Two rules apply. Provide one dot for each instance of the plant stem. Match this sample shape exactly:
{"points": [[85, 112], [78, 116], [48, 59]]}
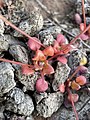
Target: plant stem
{"points": [[19, 30], [83, 12], [74, 40], [73, 106], [14, 62]]}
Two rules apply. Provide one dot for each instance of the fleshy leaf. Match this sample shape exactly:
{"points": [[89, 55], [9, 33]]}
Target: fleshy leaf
{"points": [[83, 61], [39, 56], [62, 88], [81, 80], [82, 27], [27, 70], [75, 86], [49, 51], [62, 59], [48, 69], [33, 45], [61, 39], [41, 85], [83, 69], [56, 46], [75, 97], [84, 37], [78, 18]]}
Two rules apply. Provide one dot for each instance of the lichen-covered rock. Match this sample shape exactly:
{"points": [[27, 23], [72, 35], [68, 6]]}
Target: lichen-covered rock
{"points": [[19, 103], [54, 31], [3, 44], [1, 27], [19, 53], [32, 25], [27, 80], [50, 104], [60, 76], [15, 10], [1, 112], [6, 78], [79, 8], [39, 96]]}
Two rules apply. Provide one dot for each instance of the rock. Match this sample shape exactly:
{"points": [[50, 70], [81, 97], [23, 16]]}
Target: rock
{"points": [[78, 7], [29, 118], [19, 53], [1, 112], [19, 103], [28, 80], [32, 25], [50, 104], [15, 11], [61, 75], [3, 44], [54, 31], [1, 27], [39, 96], [6, 78]]}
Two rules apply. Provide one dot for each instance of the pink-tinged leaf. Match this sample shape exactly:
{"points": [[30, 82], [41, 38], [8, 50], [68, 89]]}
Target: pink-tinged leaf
{"points": [[75, 86], [62, 88], [61, 39], [78, 18], [48, 69], [41, 85], [62, 59], [83, 69], [81, 80], [56, 46], [75, 97], [49, 51], [27, 70], [33, 45], [84, 37], [82, 27], [39, 56]]}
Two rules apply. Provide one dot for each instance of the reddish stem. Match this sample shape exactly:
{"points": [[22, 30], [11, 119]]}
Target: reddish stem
{"points": [[72, 102], [74, 40], [19, 30], [14, 62], [83, 12]]}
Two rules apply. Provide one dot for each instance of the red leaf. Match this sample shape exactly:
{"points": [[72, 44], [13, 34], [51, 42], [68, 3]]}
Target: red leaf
{"points": [[61, 39], [41, 85], [84, 36], [62, 59], [39, 56], [83, 69], [49, 51], [48, 69], [27, 70], [75, 97], [81, 80], [75, 86], [62, 88], [82, 27], [33, 45]]}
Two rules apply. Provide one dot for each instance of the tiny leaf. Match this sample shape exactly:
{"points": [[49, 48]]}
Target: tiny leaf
{"points": [[81, 80], [33, 45], [62, 88], [62, 59], [41, 85], [75, 97], [75, 86], [49, 51], [27, 70]]}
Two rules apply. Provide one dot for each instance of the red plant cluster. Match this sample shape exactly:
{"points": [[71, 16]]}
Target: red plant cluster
{"points": [[58, 51]]}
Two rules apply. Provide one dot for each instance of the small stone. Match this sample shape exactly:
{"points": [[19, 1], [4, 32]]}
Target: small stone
{"points": [[27, 80], [19, 103], [61, 75], [6, 78], [3, 44], [1, 27], [29, 118], [32, 25], [19, 53], [40, 96], [50, 104]]}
